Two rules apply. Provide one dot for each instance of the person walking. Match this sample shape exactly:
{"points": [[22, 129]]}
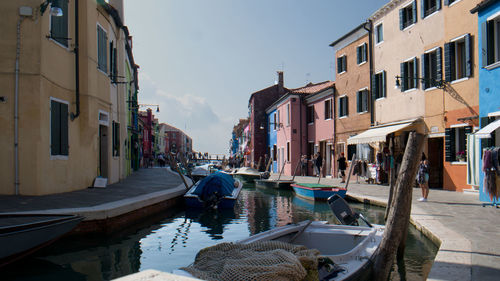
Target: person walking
{"points": [[342, 166], [423, 178], [318, 163], [303, 165]]}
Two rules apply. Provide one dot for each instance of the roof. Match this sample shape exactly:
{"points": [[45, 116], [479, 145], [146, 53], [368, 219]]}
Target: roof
{"points": [[359, 27], [483, 4], [313, 88]]}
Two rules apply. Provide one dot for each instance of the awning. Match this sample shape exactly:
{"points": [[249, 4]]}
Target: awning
{"points": [[485, 132], [377, 134]]}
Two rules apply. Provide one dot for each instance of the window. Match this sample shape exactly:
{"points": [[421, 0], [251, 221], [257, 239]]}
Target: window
{"points": [[310, 114], [379, 85], [328, 109], [409, 75], [343, 105], [288, 151], [362, 101], [58, 128], [455, 143], [458, 59], [279, 120], [490, 33], [342, 64], [431, 68], [275, 121], [275, 151], [408, 15], [429, 7], [59, 25], [361, 53], [379, 33], [288, 114], [102, 49], [116, 138]]}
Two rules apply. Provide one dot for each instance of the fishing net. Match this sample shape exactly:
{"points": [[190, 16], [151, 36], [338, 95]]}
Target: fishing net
{"points": [[267, 260]]}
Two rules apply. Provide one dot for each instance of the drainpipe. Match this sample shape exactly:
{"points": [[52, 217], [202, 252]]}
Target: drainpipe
{"points": [[370, 50], [73, 116], [16, 108]]}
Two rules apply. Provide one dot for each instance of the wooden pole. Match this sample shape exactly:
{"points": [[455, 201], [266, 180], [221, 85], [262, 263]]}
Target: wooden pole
{"points": [[184, 162], [392, 180], [173, 164], [399, 215], [282, 168], [269, 163], [260, 162], [350, 170], [295, 171]]}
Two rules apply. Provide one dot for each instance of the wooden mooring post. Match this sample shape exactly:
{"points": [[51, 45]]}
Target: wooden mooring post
{"points": [[173, 164], [400, 209]]}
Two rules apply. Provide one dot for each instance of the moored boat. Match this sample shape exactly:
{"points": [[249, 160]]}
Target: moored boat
{"points": [[247, 174], [270, 183], [23, 234], [218, 190], [315, 191]]}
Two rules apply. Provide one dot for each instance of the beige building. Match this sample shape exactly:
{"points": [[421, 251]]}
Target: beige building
{"points": [[65, 115], [426, 48]]}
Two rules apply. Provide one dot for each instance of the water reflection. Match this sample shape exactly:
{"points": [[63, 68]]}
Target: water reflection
{"points": [[172, 240]]}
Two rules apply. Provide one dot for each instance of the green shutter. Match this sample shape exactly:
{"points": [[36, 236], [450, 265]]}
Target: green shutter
{"points": [[358, 101], [374, 87], [55, 128], [64, 129], [468, 56], [384, 85], [59, 25], [346, 106], [403, 77], [448, 61], [401, 19], [425, 61], [365, 100], [339, 65], [344, 63], [439, 62], [111, 64], [415, 72], [449, 144], [484, 43], [365, 52]]}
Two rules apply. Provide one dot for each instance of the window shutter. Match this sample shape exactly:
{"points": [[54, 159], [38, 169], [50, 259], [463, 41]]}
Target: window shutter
{"points": [[340, 107], [439, 59], [414, 10], [468, 130], [447, 61], [346, 106], [422, 8], [358, 54], [424, 68], [360, 101], [401, 19], [403, 77], [339, 65], [438, 5], [365, 52], [484, 43], [64, 128], [415, 71], [59, 25], [55, 128], [111, 70], [374, 87], [105, 52], [468, 56], [344, 63], [449, 144], [384, 86], [365, 100]]}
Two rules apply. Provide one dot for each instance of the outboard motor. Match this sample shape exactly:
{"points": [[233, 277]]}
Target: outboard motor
{"points": [[343, 211]]}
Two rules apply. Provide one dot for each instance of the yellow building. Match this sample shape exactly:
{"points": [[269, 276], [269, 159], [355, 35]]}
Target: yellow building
{"points": [[64, 115]]}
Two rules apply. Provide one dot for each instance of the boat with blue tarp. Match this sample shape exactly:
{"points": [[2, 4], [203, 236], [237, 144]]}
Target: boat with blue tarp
{"points": [[218, 190]]}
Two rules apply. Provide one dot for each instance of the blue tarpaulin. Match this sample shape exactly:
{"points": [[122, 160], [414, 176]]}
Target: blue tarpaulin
{"points": [[221, 183]]}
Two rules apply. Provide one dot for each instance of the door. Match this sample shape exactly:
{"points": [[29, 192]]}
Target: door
{"points": [[436, 152], [103, 151]]}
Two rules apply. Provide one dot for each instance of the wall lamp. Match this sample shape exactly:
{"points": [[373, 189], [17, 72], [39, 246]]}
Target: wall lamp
{"points": [[440, 84], [280, 125], [55, 10]]}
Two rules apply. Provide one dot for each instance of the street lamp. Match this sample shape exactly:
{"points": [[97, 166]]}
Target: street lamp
{"points": [[440, 84], [55, 10]]}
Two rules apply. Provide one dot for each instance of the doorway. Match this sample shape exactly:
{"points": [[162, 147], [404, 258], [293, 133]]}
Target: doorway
{"points": [[103, 151], [435, 156]]}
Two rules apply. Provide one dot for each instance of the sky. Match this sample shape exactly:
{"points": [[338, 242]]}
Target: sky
{"points": [[200, 60]]}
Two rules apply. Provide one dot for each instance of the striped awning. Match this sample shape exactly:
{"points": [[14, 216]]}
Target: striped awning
{"points": [[377, 134], [485, 132]]}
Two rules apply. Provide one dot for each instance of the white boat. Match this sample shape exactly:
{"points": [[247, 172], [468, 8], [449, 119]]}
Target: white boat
{"points": [[200, 172], [246, 174]]}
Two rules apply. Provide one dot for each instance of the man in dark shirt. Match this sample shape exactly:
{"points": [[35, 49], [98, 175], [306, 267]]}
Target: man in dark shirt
{"points": [[342, 166]]}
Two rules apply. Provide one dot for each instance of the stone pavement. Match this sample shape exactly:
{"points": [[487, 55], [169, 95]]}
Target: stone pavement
{"points": [[467, 232]]}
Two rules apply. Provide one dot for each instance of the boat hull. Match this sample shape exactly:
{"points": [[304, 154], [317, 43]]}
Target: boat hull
{"points": [[317, 192], [226, 202], [21, 235], [281, 184]]}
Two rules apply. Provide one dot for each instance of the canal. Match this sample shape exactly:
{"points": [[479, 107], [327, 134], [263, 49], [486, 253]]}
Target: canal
{"points": [[169, 241]]}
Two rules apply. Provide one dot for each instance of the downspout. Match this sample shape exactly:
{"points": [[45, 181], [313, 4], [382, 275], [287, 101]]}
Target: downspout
{"points": [[16, 108], [73, 116], [370, 50], [334, 104]]}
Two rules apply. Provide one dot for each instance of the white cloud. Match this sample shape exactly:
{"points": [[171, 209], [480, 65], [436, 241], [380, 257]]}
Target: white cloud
{"points": [[210, 130]]}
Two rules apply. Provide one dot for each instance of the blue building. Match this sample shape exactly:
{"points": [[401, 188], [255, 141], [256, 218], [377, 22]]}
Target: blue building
{"points": [[489, 87], [272, 137]]}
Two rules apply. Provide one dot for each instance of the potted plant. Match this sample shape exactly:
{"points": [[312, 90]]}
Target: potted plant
{"points": [[461, 156]]}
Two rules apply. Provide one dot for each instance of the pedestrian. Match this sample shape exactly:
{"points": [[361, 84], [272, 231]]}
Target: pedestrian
{"points": [[342, 166], [318, 163], [423, 178], [303, 165]]}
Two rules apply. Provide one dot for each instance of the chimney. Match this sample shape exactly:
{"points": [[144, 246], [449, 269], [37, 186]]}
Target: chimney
{"points": [[280, 82]]}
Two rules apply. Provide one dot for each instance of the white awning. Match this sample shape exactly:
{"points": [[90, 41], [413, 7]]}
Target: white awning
{"points": [[485, 132], [377, 134]]}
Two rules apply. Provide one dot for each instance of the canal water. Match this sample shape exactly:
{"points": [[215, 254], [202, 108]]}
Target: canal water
{"points": [[170, 241]]}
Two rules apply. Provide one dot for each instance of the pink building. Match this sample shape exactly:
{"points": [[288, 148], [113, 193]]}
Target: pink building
{"points": [[305, 125]]}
